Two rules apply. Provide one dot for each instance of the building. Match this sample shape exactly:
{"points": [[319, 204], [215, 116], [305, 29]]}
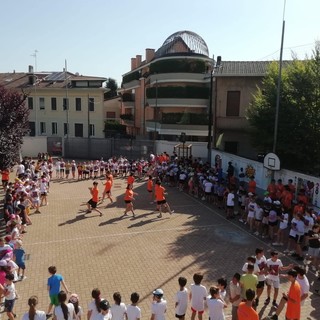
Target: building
{"points": [[63, 104], [235, 83], [170, 92]]}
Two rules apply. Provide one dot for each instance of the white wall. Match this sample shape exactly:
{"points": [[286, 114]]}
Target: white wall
{"points": [[262, 175], [33, 145]]}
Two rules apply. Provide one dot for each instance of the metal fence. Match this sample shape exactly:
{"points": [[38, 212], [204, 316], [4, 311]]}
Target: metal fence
{"points": [[91, 148]]}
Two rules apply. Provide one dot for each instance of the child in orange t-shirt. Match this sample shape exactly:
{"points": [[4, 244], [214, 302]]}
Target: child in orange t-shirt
{"points": [[161, 200], [150, 188], [92, 203]]}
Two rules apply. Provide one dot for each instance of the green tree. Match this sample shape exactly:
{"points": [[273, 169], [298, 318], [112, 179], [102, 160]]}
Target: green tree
{"points": [[13, 125], [113, 86], [298, 143]]}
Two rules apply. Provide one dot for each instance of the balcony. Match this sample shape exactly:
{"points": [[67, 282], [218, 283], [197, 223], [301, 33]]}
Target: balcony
{"points": [[178, 77], [176, 129], [172, 102], [174, 123]]}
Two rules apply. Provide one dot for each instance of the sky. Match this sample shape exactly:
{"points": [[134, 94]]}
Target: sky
{"points": [[99, 37]]}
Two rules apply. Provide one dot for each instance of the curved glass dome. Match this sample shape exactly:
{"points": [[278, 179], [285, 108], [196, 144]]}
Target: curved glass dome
{"points": [[183, 42]]}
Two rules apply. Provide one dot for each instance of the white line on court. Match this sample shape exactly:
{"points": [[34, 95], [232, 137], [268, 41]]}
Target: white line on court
{"points": [[124, 234]]}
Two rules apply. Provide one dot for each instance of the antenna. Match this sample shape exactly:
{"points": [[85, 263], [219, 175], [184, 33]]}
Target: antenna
{"points": [[35, 59]]}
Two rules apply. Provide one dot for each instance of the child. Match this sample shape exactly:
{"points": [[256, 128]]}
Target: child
{"points": [[74, 299], [118, 309], [104, 313], [10, 296], [215, 305], [181, 299], [19, 258], [53, 286], [150, 189], [133, 311], [258, 216], [92, 203], [235, 294], [159, 305], [107, 189], [198, 295], [33, 313], [94, 305], [284, 218], [222, 284]]}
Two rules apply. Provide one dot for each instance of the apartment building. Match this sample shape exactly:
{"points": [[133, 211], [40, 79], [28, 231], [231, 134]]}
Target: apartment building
{"points": [[171, 92], [62, 104]]}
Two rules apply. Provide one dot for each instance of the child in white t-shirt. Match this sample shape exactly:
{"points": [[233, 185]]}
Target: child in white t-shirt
{"points": [[181, 302], [118, 309], [198, 296], [215, 305], [159, 305], [283, 225], [133, 311]]}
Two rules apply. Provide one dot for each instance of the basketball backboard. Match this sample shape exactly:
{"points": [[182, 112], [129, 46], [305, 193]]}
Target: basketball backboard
{"points": [[271, 161]]}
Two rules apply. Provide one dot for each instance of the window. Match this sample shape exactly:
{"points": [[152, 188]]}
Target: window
{"points": [[231, 147], [54, 128], [65, 129], [111, 115], [91, 104], [41, 103], [43, 129], [30, 103], [32, 128], [91, 130], [78, 129], [233, 104], [65, 103], [53, 103], [78, 104]]}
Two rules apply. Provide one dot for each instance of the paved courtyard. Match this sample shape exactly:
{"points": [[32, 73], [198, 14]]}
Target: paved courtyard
{"points": [[126, 254]]}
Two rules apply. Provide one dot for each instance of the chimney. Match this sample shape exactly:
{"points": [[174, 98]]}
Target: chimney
{"points": [[30, 75], [149, 55], [133, 63], [138, 60]]}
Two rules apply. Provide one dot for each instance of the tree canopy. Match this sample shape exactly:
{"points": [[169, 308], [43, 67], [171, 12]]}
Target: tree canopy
{"points": [[13, 125], [113, 86], [298, 142]]}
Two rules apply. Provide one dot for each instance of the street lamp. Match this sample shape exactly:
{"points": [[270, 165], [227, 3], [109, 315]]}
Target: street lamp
{"points": [[212, 108]]}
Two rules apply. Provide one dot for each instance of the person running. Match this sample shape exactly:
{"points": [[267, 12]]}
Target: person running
{"points": [[128, 198], [107, 189], [161, 200], [92, 203], [150, 188]]}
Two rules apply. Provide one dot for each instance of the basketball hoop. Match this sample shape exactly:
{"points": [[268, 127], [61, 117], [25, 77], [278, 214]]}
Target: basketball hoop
{"points": [[272, 162]]}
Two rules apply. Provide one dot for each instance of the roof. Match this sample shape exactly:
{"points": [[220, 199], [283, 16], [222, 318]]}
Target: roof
{"points": [[42, 79], [242, 68]]}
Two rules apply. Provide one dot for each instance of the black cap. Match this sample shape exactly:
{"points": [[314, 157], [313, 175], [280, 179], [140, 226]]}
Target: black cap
{"points": [[104, 305]]}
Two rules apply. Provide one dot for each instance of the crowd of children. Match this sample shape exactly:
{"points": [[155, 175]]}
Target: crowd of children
{"points": [[271, 217], [241, 293]]}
